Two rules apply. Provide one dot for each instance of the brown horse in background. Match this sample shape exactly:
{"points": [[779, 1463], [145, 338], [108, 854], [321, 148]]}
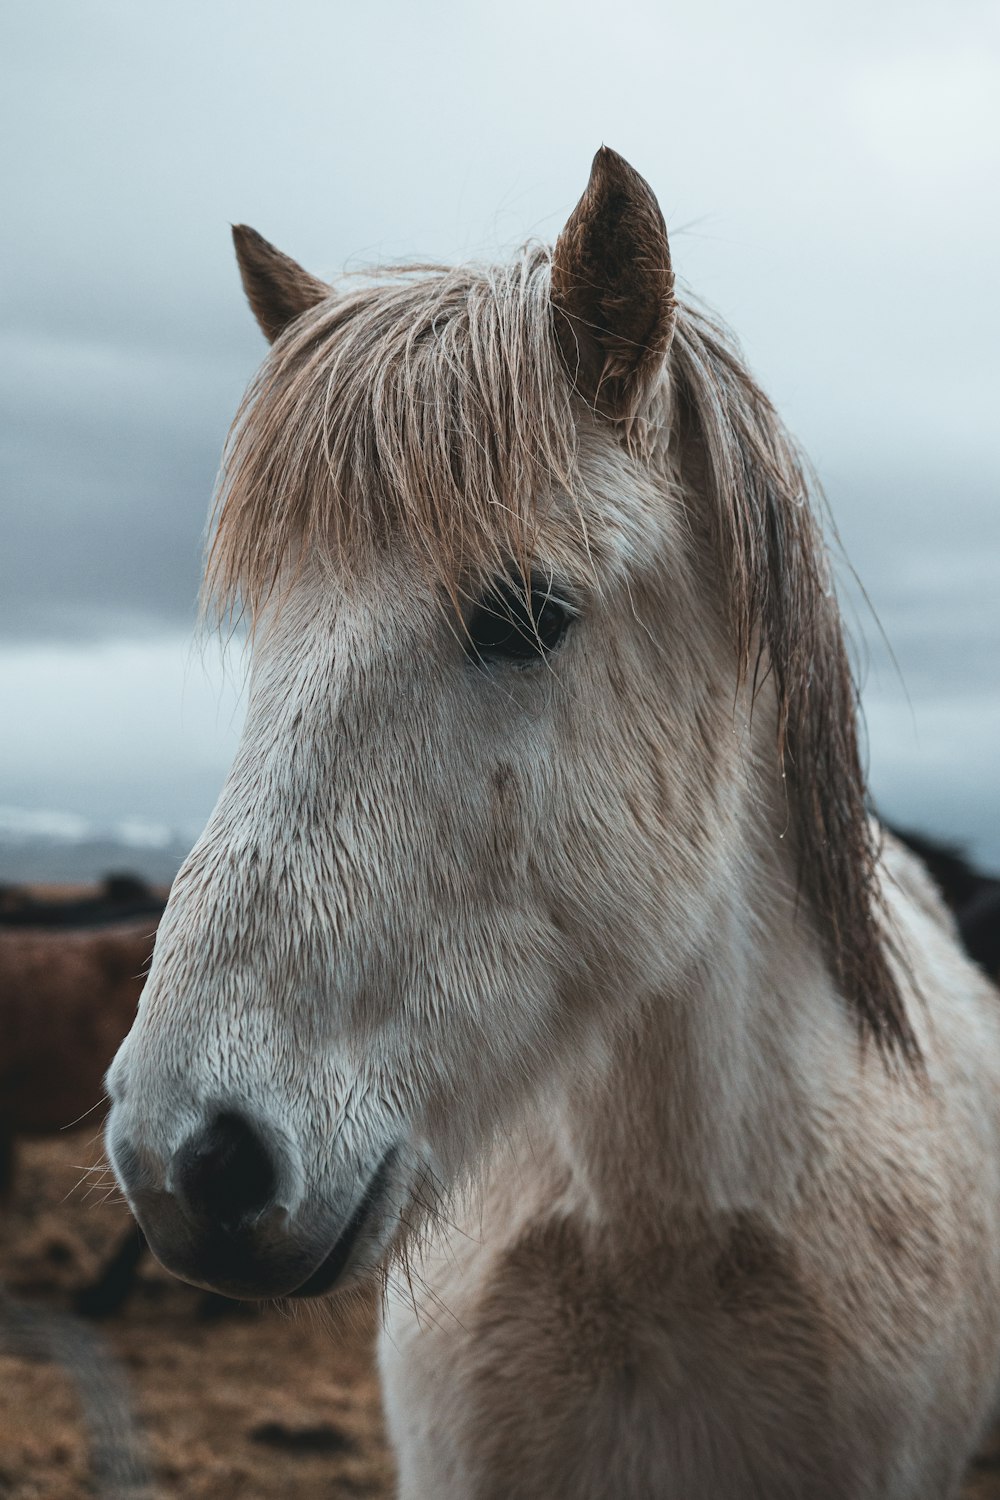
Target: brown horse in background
{"points": [[72, 968]]}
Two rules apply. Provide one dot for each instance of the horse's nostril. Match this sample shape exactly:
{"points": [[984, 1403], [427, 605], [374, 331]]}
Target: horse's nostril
{"points": [[225, 1174]]}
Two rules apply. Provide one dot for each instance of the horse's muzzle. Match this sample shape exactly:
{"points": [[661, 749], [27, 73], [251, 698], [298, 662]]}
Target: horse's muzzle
{"points": [[215, 1216]]}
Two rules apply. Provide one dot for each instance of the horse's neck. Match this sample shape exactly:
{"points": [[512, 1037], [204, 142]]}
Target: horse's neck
{"points": [[713, 1097]]}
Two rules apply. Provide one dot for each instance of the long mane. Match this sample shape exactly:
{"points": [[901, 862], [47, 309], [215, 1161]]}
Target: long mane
{"points": [[435, 404], [786, 622]]}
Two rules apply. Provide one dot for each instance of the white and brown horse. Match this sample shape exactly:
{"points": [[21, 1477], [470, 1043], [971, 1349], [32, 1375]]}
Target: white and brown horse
{"points": [[539, 945]]}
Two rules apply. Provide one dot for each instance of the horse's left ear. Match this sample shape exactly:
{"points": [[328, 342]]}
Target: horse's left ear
{"points": [[613, 289], [277, 287]]}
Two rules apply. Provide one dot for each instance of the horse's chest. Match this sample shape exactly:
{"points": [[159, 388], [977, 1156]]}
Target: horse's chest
{"points": [[703, 1369]]}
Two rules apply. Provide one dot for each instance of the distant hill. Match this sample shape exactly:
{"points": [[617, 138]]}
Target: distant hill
{"points": [[39, 846]]}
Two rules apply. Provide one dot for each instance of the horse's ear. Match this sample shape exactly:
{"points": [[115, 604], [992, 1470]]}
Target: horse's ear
{"points": [[613, 288], [277, 288]]}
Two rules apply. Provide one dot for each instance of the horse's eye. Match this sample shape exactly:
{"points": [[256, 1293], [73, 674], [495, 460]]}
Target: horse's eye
{"points": [[509, 624]]}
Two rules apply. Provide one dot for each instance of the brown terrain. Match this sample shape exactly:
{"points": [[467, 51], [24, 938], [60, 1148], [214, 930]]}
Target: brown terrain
{"points": [[246, 1404]]}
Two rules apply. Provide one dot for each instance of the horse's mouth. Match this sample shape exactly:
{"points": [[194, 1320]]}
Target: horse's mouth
{"points": [[366, 1218]]}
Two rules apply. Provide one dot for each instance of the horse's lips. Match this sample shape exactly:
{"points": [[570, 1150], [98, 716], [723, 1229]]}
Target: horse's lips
{"points": [[329, 1270]]}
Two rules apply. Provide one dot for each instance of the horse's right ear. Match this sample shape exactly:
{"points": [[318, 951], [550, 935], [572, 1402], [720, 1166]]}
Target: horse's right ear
{"points": [[277, 287], [613, 289]]}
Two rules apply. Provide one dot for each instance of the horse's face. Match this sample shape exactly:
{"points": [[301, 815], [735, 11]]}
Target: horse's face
{"points": [[448, 846], [439, 857]]}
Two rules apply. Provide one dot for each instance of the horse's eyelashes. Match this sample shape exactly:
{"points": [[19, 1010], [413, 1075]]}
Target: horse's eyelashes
{"points": [[511, 623]]}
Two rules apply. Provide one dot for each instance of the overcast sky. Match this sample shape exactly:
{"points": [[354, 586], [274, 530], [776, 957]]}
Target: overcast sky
{"points": [[829, 177]]}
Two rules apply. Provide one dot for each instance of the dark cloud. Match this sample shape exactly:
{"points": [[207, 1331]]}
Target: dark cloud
{"points": [[109, 455]]}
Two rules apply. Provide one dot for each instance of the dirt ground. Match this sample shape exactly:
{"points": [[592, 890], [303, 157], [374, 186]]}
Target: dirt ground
{"points": [[253, 1404]]}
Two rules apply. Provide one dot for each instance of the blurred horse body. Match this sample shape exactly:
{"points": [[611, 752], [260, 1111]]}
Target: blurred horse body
{"points": [[972, 896], [67, 997], [539, 939], [119, 898]]}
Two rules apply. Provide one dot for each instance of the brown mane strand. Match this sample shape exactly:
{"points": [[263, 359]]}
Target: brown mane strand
{"points": [[786, 621]]}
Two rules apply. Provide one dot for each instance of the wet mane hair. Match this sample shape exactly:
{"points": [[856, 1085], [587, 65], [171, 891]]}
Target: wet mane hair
{"points": [[435, 404], [432, 404]]}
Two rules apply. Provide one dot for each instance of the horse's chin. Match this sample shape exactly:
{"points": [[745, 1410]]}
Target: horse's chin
{"points": [[362, 1243]]}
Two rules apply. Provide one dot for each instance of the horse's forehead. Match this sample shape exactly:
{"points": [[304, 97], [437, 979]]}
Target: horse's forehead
{"points": [[631, 516], [620, 521]]}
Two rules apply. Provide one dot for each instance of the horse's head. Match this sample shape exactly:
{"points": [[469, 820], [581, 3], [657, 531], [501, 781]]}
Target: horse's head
{"points": [[489, 779]]}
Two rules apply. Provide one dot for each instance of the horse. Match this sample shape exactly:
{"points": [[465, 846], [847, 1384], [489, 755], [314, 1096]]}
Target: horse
{"points": [[68, 995], [540, 957], [71, 972], [972, 896], [119, 898]]}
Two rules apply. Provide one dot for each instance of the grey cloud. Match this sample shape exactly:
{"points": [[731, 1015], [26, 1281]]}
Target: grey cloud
{"points": [[109, 455]]}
